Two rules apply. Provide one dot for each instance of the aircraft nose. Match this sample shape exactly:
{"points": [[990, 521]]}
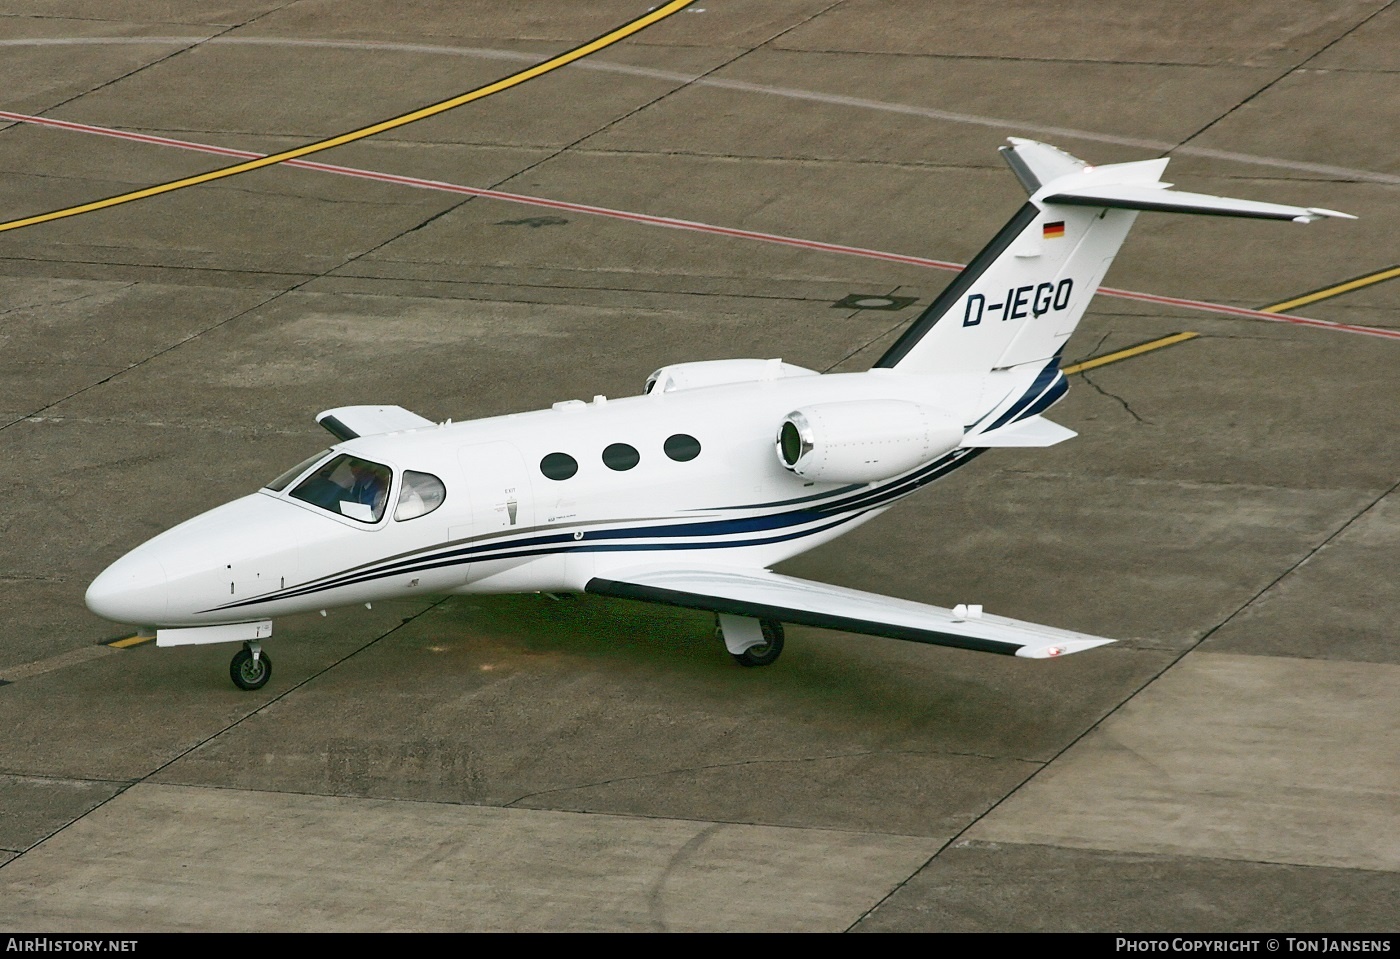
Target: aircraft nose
{"points": [[134, 589]]}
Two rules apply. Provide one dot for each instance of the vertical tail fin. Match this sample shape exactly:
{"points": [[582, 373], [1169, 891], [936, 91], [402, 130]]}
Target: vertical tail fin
{"points": [[1021, 297]]}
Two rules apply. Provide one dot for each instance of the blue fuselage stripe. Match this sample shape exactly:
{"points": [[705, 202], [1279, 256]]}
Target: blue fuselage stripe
{"points": [[710, 534]]}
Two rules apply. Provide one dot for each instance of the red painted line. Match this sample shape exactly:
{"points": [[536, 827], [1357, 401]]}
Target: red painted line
{"points": [[678, 224], [440, 185]]}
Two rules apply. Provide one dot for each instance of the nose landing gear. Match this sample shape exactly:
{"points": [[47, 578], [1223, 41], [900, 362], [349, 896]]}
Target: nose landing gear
{"points": [[251, 668]]}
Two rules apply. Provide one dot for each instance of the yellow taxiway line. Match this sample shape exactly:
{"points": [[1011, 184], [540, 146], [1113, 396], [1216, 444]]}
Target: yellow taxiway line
{"points": [[1089, 364], [515, 79], [1331, 291], [130, 641]]}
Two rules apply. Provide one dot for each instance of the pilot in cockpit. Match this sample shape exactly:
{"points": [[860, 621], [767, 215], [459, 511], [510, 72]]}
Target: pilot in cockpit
{"points": [[350, 486], [368, 487]]}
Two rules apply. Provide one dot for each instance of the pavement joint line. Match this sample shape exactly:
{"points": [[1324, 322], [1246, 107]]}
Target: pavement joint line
{"points": [[1337, 289], [1294, 568], [29, 417], [1130, 351], [520, 76], [932, 113], [872, 341], [672, 7], [162, 766], [692, 225], [1290, 71], [278, 294], [1181, 654]]}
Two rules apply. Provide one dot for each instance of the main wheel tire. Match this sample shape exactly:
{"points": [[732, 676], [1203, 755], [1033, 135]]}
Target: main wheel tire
{"points": [[247, 674], [769, 651]]}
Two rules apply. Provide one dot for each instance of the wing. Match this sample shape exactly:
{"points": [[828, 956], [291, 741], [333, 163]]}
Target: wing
{"points": [[348, 422], [765, 595]]}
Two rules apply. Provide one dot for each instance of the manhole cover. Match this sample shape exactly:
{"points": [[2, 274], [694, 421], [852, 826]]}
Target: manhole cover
{"points": [[873, 301]]}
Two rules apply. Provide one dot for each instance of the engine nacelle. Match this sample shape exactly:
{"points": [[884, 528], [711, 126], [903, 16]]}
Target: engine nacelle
{"points": [[864, 440], [689, 376]]}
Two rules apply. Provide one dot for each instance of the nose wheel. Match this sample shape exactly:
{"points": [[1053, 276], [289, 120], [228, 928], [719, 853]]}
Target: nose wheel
{"points": [[251, 668]]}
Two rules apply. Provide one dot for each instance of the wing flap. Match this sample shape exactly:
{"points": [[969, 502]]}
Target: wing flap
{"points": [[766, 595], [348, 422]]}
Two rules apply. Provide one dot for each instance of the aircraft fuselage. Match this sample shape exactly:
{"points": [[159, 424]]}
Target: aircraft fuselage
{"points": [[505, 526]]}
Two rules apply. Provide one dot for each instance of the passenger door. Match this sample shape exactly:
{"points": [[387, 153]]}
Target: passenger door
{"points": [[499, 489]]}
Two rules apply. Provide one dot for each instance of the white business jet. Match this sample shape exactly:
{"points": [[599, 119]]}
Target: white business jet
{"points": [[685, 495]]}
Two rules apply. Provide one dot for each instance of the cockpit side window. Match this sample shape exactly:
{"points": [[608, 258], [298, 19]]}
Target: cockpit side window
{"points": [[349, 486], [283, 481], [421, 493]]}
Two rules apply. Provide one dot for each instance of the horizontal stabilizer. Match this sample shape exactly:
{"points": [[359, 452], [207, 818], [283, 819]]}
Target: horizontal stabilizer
{"points": [[762, 594], [1031, 431], [1158, 197], [348, 422], [1020, 299]]}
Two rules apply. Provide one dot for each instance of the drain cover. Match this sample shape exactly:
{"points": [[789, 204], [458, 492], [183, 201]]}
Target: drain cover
{"points": [[873, 301]]}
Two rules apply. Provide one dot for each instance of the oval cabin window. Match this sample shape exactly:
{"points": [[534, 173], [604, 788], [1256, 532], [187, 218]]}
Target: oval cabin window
{"points": [[682, 448], [558, 466], [620, 456]]}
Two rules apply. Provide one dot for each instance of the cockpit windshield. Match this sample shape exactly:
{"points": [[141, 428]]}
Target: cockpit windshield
{"points": [[285, 480], [349, 486]]}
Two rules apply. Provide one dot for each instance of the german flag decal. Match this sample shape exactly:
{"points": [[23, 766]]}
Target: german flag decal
{"points": [[1053, 231]]}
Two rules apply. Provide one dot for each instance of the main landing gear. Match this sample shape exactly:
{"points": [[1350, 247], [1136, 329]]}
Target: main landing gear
{"points": [[251, 668], [752, 642]]}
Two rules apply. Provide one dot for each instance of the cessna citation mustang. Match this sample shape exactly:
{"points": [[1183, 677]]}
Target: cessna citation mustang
{"points": [[687, 494]]}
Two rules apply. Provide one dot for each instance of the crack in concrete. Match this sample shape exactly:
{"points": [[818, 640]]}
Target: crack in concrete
{"points": [[1113, 396], [1096, 350]]}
